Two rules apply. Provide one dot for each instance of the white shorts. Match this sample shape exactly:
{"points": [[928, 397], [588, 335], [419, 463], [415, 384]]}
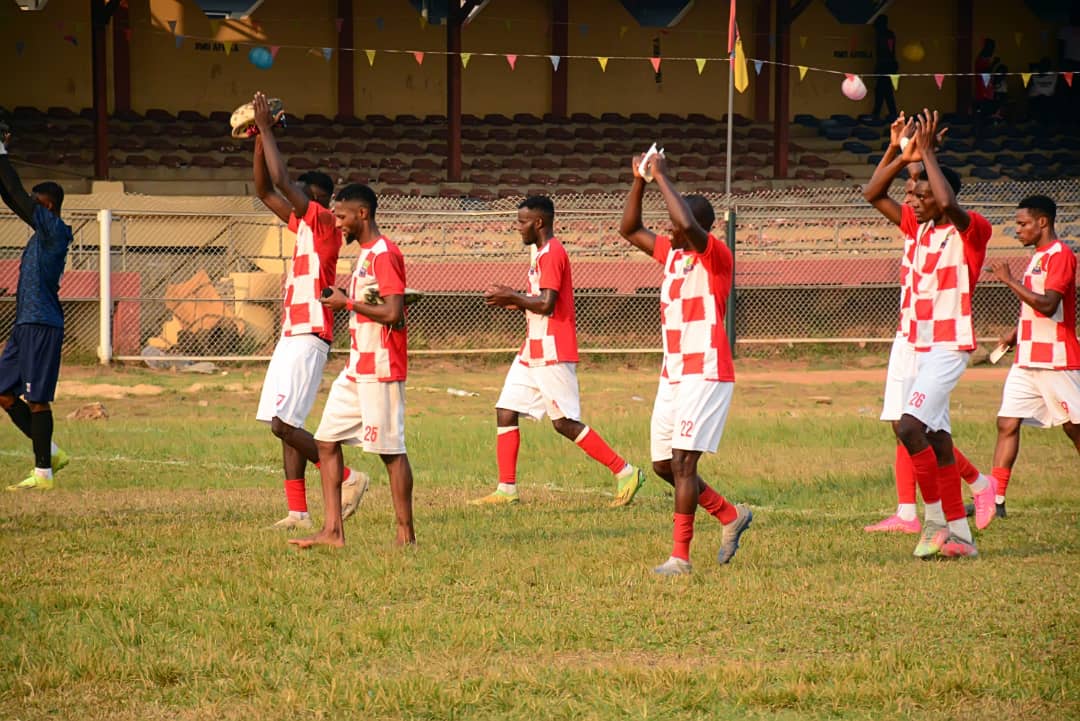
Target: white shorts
{"points": [[919, 385], [546, 389], [293, 379], [1043, 397], [689, 416], [371, 415]]}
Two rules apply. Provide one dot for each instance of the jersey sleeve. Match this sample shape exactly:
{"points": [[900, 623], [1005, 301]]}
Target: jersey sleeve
{"points": [[717, 256], [977, 235], [552, 268], [661, 249], [390, 273], [294, 222], [909, 226], [322, 224], [1060, 271]]}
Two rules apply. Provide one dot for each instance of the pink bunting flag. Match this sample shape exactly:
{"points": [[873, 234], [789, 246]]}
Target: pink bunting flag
{"points": [[419, 57], [72, 39], [939, 78], [1068, 79], [274, 51], [512, 59], [655, 64]]}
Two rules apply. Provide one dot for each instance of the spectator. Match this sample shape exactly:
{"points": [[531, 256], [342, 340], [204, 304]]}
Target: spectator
{"points": [[884, 65]]}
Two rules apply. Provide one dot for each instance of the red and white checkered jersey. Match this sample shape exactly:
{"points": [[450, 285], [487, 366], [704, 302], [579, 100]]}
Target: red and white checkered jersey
{"points": [[313, 267], [693, 301], [1049, 341], [551, 339], [378, 352], [938, 273]]}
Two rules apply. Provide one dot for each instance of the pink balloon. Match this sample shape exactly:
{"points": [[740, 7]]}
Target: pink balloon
{"points": [[853, 88]]}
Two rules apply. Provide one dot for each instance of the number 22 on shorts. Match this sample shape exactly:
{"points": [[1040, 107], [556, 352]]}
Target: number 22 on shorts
{"points": [[371, 434], [686, 429]]}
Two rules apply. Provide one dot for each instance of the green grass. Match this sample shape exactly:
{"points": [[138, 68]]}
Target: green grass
{"points": [[148, 586]]}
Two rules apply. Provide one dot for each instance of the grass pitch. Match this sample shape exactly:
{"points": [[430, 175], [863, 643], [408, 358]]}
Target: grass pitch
{"points": [[148, 586]]}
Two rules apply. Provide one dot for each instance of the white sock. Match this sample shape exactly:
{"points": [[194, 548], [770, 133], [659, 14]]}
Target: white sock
{"points": [[509, 488], [960, 528], [933, 513], [43, 472], [55, 448], [980, 484], [907, 511], [626, 471], [999, 499], [299, 514]]}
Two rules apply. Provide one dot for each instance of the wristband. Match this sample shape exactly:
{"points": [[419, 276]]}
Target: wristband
{"points": [[349, 305], [3, 150]]}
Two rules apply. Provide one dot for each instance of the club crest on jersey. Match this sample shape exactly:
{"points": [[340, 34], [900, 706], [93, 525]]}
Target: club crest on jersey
{"points": [[688, 263], [365, 268], [1039, 267], [532, 267]]}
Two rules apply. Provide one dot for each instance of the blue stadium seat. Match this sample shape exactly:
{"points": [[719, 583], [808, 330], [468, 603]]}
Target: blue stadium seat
{"points": [[807, 121], [985, 145], [871, 122], [951, 161], [865, 133], [1069, 143], [842, 119], [959, 132], [979, 161], [985, 173], [854, 146], [1016, 145], [955, 145], [1036, 159], [874, 158], [1007, 161], [835, 132]]}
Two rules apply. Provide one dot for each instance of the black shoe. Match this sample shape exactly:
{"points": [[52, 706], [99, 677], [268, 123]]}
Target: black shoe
{"points": [[969, 509], [999, 510]]}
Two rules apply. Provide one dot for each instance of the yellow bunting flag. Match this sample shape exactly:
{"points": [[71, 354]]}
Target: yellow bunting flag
{"points": [[742, 79], [370, 57], [1026, 77], [465, 59], [228, 48], [215, 25], [603, 63], [700, 64], [423, 23], [802, 72], [895, 81]]}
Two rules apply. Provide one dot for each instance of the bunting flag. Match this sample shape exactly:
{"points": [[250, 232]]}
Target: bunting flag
{"points": [[700, 64], [742, 81], [583, 28], [215, 25], [371, 57], [555, 59], [327, 53], [985, 77], [1026, 77], [172, 27], [939, 78], [622, 31], [802, 41], [423, 23], [655, 64], [228, 49], [465, 57], [72, 39], [895, 81], [802, 72], [274, 51], [512, 59], [179, 41], [603, 64], [338, 24], [757, 66], [419, 55], [1068, 78], [380, 24]]}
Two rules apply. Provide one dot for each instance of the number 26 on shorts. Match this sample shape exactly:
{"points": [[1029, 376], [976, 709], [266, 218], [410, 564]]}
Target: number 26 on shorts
{"points": [[917, 399]]}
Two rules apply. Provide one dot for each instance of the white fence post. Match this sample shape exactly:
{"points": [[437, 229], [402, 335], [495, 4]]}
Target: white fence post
{"points": [[105, 284]]}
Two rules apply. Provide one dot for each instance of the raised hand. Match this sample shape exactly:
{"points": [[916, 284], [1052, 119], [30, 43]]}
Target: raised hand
{"points": [[635, 162], [262, 112], [1001, 271], [900, 128], [926, 131]]}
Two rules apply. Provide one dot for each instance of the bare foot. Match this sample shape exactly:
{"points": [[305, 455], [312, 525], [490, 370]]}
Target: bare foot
{"points": [[319, 539]]}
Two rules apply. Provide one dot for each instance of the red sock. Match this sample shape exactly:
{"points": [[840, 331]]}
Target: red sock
{"points": [[967, 469], [717, 505], [924, 465], [296, 495], [1002, 477], [591, 442], [681, 536], [952, 498], [506, 453], [905, 476]]}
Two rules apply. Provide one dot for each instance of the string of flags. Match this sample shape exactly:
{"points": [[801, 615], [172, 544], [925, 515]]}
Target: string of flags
{"points": [[263, 57]]}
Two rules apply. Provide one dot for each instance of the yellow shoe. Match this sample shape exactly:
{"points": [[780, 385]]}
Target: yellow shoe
{"points": [[498, 498], [33, 483], [628, 487], [60, 459]]}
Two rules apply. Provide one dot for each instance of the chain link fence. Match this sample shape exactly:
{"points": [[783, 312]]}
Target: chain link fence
{"points": [[812, 266]]}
